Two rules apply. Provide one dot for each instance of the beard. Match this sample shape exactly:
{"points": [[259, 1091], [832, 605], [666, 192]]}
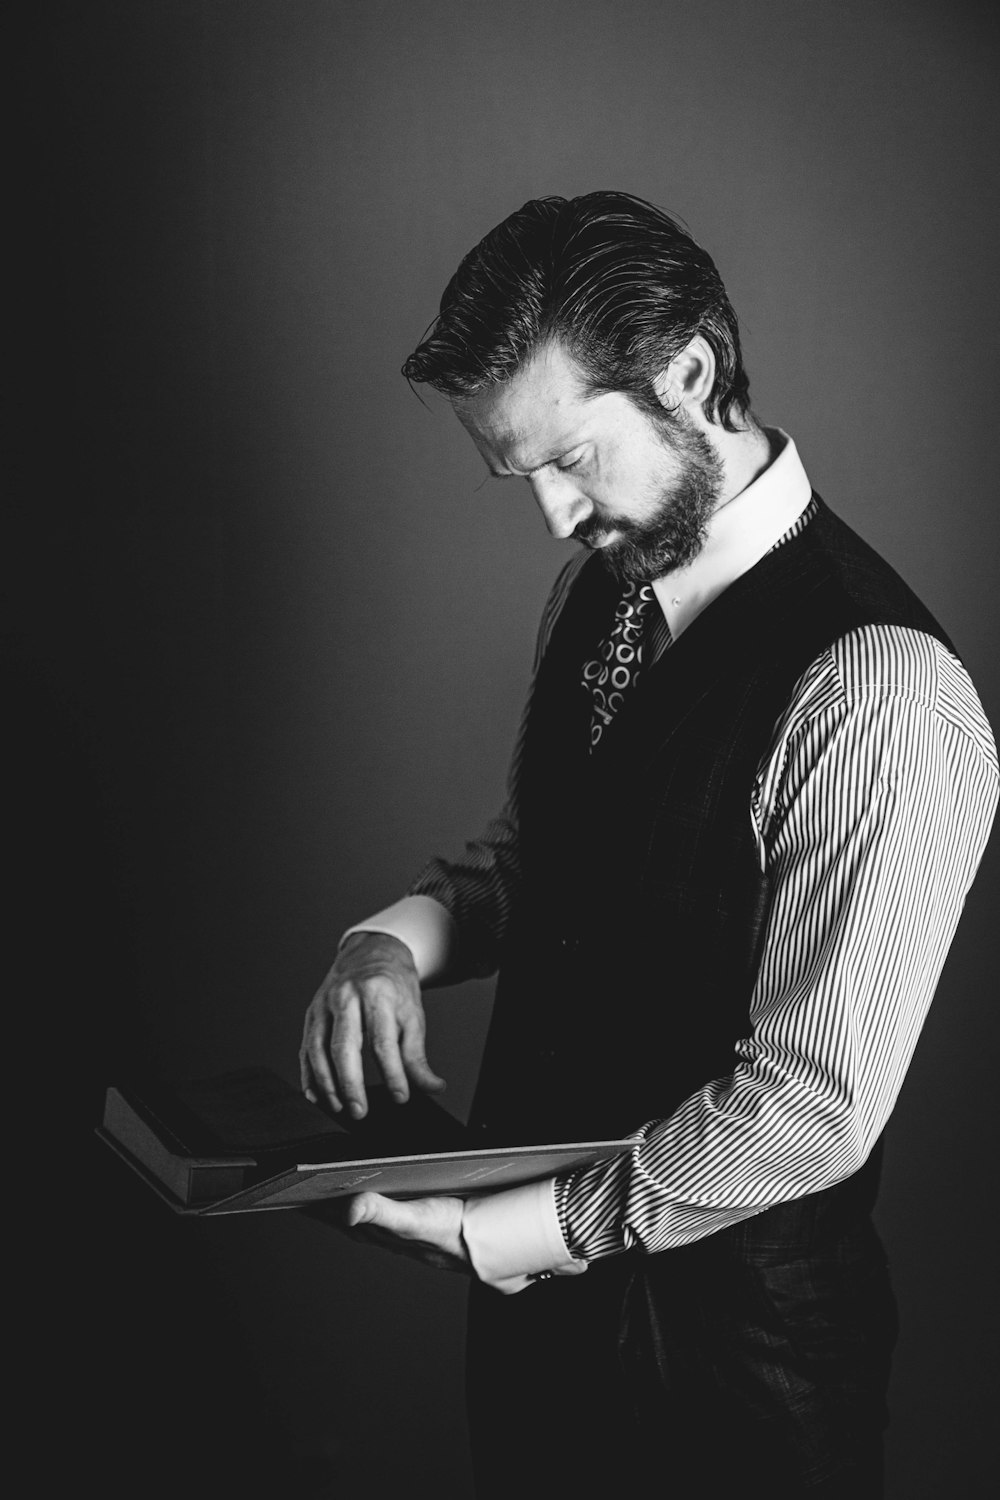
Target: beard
{"points": [[675, 532]]}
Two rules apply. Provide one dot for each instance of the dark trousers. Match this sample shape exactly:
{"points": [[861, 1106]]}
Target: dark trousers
{"points": [[756, 1358]]}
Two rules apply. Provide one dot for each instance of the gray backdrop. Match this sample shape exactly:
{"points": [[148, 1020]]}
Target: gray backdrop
{"points": [[274, 630]]}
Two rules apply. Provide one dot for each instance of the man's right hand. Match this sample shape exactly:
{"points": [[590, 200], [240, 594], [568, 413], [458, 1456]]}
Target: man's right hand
{"points": [[370, 996]]}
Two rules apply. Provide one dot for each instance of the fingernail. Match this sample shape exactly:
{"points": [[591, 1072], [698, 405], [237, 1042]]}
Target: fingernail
{"points": [[399, 1096], [357, 1110]]}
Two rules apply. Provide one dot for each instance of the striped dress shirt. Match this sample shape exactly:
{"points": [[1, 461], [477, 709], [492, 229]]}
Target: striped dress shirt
{"points": [[870, 811]]}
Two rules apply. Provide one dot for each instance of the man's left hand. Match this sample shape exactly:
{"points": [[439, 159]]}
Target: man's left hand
{"points": [[426, 1229]]}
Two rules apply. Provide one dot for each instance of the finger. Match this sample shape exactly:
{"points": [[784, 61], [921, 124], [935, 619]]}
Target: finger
{"points": [[305, 1071], [428, 1229], [346, 1039], [383, 1030], [315, 1064], [415, 1058], [373, 1210], [363, 1209]]}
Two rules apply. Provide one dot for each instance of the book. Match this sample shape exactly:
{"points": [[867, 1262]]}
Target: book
{"points": [[206, 1139], [247, 1140]]}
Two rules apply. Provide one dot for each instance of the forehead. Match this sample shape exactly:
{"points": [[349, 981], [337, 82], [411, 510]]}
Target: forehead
{"points": [[532, 417]]}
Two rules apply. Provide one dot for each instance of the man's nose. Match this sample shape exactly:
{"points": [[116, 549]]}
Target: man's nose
{"points": [[560, 502]]}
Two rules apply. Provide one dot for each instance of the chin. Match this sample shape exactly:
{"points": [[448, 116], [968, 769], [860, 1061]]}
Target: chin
{"points": [[622, 566]]}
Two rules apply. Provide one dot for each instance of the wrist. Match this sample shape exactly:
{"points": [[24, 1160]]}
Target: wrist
{"points": [[424, 927], [383, 943]]}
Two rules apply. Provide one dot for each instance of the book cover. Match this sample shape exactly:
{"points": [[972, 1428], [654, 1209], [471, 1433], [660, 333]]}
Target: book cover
{"points": [[249, 1141]]}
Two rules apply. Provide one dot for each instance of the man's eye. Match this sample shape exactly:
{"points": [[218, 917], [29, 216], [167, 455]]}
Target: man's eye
{"points": [[572, 463]]}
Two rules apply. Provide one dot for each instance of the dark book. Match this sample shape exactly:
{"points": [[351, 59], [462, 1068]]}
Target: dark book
{"points": [[249, 1140]]}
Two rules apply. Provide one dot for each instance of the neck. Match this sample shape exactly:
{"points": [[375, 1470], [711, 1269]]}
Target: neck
{"points": [[744, 456]]}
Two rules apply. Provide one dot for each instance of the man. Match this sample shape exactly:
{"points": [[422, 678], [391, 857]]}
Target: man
{"points": [[751, 791]]}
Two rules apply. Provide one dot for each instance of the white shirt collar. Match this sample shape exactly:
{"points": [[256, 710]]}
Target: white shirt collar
{"points": [[740, 533]]}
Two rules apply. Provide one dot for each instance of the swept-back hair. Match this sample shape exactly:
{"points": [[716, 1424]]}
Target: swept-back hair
{"points": [[621, 285]]}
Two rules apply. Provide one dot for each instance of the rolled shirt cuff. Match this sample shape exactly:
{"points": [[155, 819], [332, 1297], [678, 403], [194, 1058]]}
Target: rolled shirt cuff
{"points": [[426, 927], [513, 1237]]}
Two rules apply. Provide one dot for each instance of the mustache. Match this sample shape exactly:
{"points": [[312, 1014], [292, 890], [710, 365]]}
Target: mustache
{"points": [[594, 528]]}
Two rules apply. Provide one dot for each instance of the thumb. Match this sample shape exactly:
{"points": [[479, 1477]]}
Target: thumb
{"points": [[365, 1209], [370, 1208]]}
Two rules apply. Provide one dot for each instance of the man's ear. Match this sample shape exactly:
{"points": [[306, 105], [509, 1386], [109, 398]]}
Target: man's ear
{"points": [[689, 377]]}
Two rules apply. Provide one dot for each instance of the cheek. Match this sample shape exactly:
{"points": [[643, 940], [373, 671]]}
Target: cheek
{"points": [[662, 475], [630, 476], [634, 487], [614, 485]]}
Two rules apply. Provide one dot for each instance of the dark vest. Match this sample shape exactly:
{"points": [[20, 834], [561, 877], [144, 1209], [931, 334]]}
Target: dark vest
{"points": [[626, 976]]}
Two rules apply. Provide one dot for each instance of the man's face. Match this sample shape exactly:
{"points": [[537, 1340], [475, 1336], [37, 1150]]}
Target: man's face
{"points": [[602, 472]]}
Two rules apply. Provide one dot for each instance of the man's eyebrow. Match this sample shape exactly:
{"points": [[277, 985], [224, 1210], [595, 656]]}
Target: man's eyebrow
{"points": [[558, 452]]}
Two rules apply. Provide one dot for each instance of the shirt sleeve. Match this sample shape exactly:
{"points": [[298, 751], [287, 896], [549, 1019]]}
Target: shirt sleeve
{"points": [[514, 1238], [425, 926], [479, 892], [872, 811]]}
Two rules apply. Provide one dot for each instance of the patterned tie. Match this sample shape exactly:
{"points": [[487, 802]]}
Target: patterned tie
{"points": [[615, 669]]}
